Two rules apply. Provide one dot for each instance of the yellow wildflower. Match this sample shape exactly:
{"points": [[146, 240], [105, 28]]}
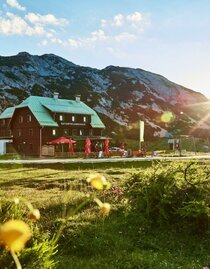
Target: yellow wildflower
{"points": [[34, 214], [16, 201], [105, 209], [14, 234], [97, 181]]}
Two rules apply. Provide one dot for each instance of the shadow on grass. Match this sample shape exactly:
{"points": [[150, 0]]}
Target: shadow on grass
{"points": [[119, 242], [35, 180]]}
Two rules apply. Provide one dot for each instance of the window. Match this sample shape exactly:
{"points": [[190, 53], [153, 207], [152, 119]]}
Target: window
{"points": [[29, 118], [84, 119], [61, 117], [20, 119], [19, 132], [91, 132], [81, 132], [30, 132], [53, 131], [73, 118], [3, 122]]}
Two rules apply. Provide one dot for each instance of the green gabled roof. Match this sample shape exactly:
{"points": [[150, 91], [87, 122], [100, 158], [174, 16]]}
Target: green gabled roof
{"points": [[40, 107], [39, 111], [8, 113]]}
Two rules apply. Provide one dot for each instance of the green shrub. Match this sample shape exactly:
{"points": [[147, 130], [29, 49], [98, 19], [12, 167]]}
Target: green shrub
{"points": [[172, 193]]}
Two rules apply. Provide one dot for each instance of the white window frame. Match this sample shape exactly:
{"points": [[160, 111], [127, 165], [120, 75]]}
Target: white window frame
{"points": [[61, 118], [54, 132], [84, 118], [73, 118]]}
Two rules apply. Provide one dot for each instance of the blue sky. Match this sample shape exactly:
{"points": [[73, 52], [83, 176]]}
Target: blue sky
{"points": [[171, 38]]}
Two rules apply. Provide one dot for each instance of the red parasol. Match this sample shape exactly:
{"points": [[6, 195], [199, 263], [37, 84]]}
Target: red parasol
{"points": [[106, 151], [123, 147], [60, 140], [87, 145], [71, 148]]}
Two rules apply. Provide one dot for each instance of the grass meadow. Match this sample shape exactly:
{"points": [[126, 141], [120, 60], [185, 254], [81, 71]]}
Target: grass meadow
{"points": [[143, 229]]}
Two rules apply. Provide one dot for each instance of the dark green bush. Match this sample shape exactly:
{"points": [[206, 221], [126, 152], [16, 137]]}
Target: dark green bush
{"points": [[172, 193]]}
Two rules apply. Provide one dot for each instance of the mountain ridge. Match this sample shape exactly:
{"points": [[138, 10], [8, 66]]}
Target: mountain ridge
{"points": [[121, 95]]}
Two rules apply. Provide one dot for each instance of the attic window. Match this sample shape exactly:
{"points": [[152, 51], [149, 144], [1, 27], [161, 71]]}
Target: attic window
{"points": [[20, 119], [29, 118]]}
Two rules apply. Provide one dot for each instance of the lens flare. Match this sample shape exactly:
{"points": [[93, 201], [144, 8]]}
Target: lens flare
{"points": [[167, 117]]}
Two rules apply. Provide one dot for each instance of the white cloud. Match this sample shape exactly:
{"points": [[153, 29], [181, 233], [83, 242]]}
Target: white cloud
{"points": [[124, 37], [98, 35], [103, 23], [120, 29], [49, 19], [135, 18], [118, 20], [13, 24], [73, 43], [135, 21], [15, 4]]}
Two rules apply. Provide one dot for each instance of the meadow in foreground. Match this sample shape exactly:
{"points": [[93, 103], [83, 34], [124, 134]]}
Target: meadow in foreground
{"points": [[159, 217]]}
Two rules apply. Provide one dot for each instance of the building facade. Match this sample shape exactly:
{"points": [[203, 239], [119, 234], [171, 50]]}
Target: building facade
{"points": [[38, 120]]}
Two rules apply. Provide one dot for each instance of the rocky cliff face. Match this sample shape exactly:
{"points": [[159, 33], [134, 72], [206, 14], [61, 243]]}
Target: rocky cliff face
{"points": [[122, 96]]}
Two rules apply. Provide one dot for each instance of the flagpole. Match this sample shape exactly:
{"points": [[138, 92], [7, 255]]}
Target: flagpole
{"points": [[139, 135]]}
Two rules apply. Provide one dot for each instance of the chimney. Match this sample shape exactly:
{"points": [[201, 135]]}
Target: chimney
{"points": [[77, 97], [55, 95]]}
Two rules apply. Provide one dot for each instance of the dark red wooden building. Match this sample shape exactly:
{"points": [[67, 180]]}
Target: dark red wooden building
{"points": [[38, 120]]}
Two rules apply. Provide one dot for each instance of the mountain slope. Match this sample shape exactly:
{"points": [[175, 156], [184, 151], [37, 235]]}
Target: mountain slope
{"points": [[122, 96]]}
